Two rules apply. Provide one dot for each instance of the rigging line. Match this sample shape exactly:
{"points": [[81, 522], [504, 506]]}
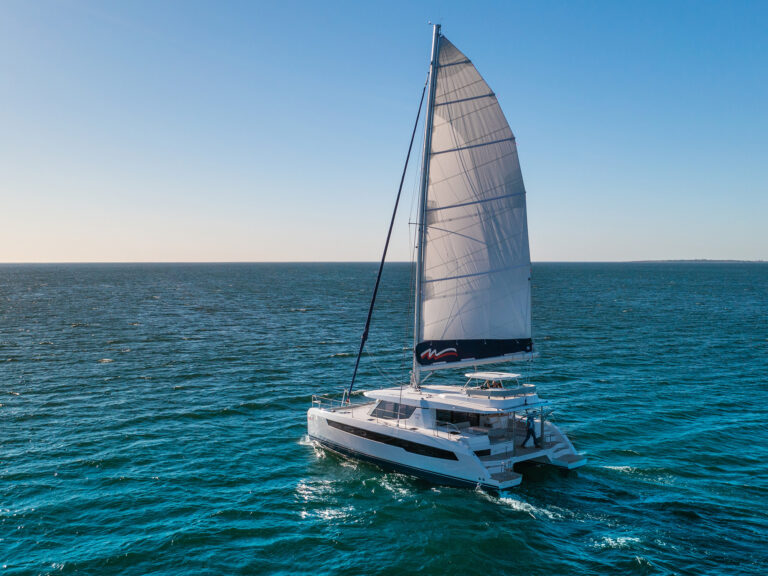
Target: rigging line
{"points": [[386, 375], [386, 244], [407, 351], [404, 353]]}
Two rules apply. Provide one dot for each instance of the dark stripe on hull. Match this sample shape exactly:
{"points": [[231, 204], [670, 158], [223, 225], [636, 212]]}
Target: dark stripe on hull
{"points": [[434, 351], [433, 477], [407, 445]]}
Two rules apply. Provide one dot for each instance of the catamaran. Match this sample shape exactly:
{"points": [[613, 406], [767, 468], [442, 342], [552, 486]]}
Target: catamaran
{"points": [[472, 307]]}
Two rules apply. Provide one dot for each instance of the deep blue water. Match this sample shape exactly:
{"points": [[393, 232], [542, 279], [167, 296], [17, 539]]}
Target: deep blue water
{"points": [[152, 420]]}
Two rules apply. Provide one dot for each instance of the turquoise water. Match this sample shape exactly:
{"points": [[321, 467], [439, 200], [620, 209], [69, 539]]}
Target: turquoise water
{"points": [[153, 421]]}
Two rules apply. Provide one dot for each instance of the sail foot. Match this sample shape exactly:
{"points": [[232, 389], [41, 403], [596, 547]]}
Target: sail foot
{"points": [[451, 351]]}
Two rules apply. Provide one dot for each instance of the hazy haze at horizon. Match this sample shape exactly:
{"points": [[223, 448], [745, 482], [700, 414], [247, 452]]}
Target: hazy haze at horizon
{"points": [[196, 131]]}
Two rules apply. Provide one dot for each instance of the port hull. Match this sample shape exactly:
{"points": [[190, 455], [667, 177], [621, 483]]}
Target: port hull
{"points": [[432, 477]]}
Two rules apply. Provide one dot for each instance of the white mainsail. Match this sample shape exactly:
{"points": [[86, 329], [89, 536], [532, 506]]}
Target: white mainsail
{"points": [[475, 290]]}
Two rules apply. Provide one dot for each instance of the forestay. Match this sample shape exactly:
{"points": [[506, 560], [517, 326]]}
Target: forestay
{"points": [[475, 285]]}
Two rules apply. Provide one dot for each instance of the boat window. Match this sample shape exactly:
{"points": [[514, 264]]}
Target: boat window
{"points": [[392, 411], [458, 417], [407, 445]]}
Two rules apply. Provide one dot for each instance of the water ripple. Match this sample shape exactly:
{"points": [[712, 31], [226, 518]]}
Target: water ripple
{"points": [[154, 421]]}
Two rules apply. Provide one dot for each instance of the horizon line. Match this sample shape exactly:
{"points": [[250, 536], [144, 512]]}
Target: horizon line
{"points": [[646, 261]]}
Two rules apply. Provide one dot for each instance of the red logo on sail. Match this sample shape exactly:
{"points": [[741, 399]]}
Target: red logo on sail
{"points": [[432, 354]]}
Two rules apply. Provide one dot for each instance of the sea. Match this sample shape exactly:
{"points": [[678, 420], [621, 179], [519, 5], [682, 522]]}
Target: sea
{"points": [[153, 421]]}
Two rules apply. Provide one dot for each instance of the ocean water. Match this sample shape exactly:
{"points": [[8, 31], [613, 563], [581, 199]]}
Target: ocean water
{"points": [[153, 420]]}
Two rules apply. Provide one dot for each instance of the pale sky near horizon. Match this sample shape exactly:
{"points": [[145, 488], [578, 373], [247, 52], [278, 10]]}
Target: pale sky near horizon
{"points": [[245, 131]]}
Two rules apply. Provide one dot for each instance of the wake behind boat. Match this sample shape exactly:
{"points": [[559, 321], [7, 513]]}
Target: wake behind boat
{"points": [[473, 307]]}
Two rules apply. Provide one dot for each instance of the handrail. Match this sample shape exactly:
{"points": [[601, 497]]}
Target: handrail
{"points": [[325, 401], [449, 425], [330, 403]]}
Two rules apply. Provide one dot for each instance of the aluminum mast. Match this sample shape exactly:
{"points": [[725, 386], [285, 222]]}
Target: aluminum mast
{"points": [[421, 224]]}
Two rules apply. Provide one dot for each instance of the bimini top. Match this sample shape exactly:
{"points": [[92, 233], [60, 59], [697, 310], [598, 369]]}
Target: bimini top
{"points": [[497, 376]]}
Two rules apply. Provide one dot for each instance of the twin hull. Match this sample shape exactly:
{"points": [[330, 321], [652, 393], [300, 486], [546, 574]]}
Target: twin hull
{"points": [[440, 458]]}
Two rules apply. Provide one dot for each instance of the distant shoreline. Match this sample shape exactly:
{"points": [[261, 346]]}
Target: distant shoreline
{"points": [[696, 261]]}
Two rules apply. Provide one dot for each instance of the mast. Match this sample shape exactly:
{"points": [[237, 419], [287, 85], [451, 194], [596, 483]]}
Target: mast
{"points": [[421, 224]]}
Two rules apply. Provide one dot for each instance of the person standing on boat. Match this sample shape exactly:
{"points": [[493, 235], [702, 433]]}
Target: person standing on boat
{"points": [[530, 432]]}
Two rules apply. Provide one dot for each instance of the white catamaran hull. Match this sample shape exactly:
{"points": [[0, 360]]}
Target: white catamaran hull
{"points": [[421, 445], [463, 469]]}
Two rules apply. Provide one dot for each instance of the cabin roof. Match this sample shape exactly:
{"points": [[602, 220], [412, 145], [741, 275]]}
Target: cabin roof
{"points": [[457, 399]]}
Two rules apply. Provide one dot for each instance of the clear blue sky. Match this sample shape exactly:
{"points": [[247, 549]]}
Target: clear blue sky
{"points": [[245, 131]]}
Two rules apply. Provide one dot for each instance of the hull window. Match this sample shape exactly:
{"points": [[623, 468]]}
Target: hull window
{"points": [[407, 445]]}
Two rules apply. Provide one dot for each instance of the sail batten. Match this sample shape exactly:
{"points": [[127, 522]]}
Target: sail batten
{"points": [[476, 202], [484, 272], [489, 95], [469, 146], [474, 300]]}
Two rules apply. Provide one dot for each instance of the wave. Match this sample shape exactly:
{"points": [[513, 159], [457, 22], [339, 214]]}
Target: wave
{"points": [[329, 514], [530, 509], [519, 505], [306, 441], [619, 542], [627, 469], [396, 483]]}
